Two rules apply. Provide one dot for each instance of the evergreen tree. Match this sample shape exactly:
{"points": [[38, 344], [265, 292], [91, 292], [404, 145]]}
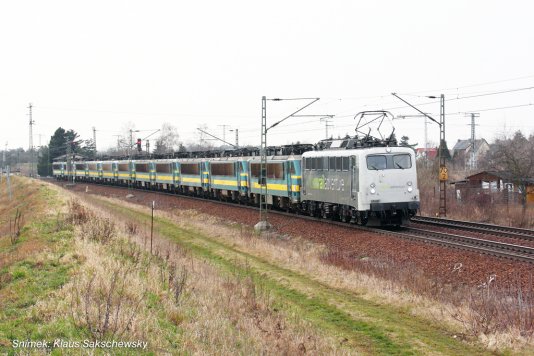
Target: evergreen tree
{"points": [[44, 165], [61, 139], [58, 144], [444, 150]]}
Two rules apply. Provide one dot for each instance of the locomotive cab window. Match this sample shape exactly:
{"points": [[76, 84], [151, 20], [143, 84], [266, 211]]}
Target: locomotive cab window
{"points": [[376, 162], [379, 162], [402, 161]]}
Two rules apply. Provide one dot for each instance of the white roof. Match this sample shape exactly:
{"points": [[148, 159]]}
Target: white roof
{"points": [[357, 152]]}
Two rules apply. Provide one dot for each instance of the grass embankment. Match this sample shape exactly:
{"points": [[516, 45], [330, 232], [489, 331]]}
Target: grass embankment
{"points": [[78, 277], [361, 325], [75, 273], [32, 262]]}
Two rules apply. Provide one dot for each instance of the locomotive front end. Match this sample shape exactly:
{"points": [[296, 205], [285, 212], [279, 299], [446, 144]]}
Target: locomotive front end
{"points": [[388, 185]]}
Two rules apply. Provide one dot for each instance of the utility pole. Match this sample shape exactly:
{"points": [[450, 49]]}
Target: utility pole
{"points": [[473, 163], [326, 124], [236, 137], [94, 138], [31, 140], [224, 131]]}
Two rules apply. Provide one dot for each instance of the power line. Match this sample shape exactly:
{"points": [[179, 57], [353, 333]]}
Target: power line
{"points": [[471, 85], [452, 99], [492, 93]]}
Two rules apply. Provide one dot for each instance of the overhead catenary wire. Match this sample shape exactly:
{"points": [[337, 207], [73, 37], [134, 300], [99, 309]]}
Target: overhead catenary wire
{"points": [[249, 128]]}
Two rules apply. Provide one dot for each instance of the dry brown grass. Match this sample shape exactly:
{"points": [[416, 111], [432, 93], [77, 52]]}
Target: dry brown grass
{"points": [[120, 290], [16, 216], [208, 331], [495, 317]]}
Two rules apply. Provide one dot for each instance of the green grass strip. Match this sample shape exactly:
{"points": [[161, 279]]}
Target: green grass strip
{"points": [[369, 327]]}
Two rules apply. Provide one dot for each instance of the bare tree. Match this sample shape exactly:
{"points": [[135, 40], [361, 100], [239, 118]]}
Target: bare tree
{"points": [[515, 155], [168, 140]]}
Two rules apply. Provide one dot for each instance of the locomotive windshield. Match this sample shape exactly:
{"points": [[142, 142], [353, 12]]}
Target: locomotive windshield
{"points": [[402, 161], [380, 162], [376, 162]]}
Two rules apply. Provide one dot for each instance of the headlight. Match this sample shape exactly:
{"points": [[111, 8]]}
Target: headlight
{"points": [[373, 191], [372, 185], [409, 183], [410, 189]]}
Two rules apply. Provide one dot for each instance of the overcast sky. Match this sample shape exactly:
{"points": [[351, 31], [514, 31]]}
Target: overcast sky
{"points": [[106, 63]]}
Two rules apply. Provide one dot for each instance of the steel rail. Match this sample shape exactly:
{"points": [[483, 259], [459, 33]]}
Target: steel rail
{"points": [[518, 252], [513, 232]]}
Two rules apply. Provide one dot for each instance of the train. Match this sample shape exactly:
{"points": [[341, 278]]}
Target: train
{"points": [[345, 180]]}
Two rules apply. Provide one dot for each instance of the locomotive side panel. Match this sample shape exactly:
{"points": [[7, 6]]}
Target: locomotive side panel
{"points": [[327, 177]]}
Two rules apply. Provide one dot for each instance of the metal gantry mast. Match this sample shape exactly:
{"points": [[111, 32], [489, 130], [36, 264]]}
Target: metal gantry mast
{"points": [[443, 172], [263, 224]]}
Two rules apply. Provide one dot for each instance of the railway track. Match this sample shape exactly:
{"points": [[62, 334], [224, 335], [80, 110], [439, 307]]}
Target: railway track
{"points": [[488, 247], [513, 232]]}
